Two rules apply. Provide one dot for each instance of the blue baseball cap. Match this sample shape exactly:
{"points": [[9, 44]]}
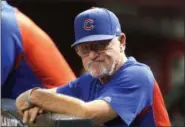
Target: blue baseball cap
{"points": [[96, 24]]}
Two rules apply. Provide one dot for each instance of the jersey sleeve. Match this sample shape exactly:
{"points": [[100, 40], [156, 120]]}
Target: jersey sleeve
{"points": [[130, 93], [7, 55], [10, 43], [71, 89], [42, 55]]}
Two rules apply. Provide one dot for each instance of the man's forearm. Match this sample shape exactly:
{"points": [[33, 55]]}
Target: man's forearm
{"points": [[58, 103]]}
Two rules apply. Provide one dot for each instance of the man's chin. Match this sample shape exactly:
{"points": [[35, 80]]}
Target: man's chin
{"points": [[98, 75], [95, 75], [98, 72]]}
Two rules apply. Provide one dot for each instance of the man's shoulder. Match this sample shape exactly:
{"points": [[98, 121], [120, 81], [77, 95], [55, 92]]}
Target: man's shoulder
{"points": [[138, 68], [134, 67], [8, 18], [135, 73]]}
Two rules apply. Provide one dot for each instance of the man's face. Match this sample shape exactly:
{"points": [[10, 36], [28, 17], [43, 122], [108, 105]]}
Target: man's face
{"points": [[100, 58]]}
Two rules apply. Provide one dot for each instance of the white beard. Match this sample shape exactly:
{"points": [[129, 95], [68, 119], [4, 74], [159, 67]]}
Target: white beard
{"points": [[103, 71]]}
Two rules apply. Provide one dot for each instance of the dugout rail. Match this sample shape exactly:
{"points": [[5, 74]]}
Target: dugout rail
{"points": [[10, 117]]}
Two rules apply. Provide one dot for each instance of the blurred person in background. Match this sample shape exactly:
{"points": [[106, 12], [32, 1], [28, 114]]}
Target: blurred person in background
{"points": [[29, 58], [116, 91]]}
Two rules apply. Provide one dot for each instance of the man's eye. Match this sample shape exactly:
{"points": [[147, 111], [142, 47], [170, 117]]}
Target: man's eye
{"points": [[85, 49], [102, 45]]}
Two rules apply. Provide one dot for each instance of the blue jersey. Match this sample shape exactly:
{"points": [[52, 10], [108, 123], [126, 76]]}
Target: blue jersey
{"points": [[132, 93]]}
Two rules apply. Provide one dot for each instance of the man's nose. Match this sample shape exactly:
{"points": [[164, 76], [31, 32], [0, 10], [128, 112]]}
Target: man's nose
{"points": [[93, 54]]}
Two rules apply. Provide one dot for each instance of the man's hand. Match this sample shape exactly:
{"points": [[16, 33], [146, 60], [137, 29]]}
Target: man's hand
{"points": [[31, 114], [21, 102]]}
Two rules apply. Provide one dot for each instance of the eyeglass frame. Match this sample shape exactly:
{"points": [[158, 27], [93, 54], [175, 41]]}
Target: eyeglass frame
{"points": [[106, 47]]}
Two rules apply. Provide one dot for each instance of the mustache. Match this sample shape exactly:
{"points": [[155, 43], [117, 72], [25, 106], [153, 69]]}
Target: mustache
{"points": [[95, 61]]}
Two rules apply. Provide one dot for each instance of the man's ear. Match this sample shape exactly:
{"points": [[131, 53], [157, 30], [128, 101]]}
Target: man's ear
{"points": [[122, 39]]}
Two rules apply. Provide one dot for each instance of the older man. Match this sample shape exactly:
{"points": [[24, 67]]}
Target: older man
{"points": [[118, 91]]}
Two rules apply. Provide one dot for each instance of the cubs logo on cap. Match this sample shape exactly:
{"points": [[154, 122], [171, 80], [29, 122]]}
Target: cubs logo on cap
{"points": [[88, 24], [96, 24]]}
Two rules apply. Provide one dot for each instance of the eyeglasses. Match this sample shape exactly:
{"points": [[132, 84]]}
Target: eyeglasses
{"points": [[84, 49]]}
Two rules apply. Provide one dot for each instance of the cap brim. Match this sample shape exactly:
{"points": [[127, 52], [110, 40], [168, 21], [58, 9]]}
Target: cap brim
{"points": [[93, 38]]}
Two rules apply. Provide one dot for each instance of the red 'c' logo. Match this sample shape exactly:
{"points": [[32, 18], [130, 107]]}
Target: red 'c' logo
{"points": [[88, 24]]}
